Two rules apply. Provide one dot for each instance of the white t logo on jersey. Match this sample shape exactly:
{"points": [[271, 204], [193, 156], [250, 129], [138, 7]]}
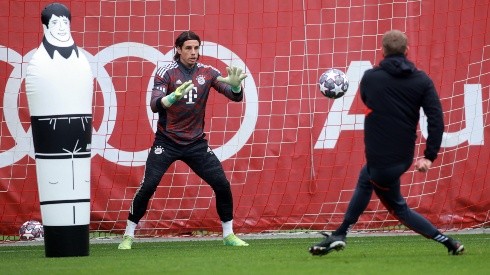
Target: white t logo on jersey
{"points": [[191, 96]]}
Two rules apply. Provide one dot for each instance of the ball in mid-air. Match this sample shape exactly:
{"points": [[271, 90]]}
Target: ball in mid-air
{"points": [[333, 83], [31, 230]]}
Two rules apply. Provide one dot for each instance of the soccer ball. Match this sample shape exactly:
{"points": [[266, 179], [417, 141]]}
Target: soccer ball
{"points": [[333, 83], [31, 230]]}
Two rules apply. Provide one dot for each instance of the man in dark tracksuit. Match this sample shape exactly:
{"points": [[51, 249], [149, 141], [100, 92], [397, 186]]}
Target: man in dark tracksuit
{"points": [[393, 92], [179, 96]]}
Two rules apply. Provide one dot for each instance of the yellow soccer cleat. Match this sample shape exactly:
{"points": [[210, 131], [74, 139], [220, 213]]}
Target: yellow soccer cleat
{"points": [[126, 242], [232, 240]]}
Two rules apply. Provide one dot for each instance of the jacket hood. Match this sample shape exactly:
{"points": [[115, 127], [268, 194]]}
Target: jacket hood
{"points": [[397, 65]]}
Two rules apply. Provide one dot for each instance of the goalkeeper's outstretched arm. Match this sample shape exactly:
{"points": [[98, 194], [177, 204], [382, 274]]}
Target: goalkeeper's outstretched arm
{"points": [[234, 78]]}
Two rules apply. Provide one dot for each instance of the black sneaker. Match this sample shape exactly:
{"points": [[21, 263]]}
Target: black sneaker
{"points": [[455, 247], [329, 244]]}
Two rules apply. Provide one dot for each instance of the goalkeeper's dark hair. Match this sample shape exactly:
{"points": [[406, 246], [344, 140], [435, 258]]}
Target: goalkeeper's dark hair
{"points": [[54, 9], [179, 42], [394, 42]]}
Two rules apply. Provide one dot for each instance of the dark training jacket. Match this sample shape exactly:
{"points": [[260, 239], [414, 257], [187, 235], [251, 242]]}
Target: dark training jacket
{"points": [[394, 92]]}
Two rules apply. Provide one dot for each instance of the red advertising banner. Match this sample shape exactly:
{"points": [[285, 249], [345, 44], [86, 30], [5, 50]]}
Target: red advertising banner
{"points": [[292, 155]]}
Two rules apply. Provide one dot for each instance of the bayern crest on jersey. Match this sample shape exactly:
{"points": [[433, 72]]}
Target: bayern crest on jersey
{"points": [[200, 79]]}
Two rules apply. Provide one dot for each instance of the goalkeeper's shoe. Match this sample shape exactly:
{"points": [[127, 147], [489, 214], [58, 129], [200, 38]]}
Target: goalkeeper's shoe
{"points": [[126, 242], [455, 247], [329, 244], [232, 240]]}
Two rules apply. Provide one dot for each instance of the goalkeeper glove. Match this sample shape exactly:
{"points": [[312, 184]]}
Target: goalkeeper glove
{"points": [[180, 92], [234, 78]]}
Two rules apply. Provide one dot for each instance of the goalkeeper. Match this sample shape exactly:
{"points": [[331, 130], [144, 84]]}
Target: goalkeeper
{"points": [[394, 92], [179, 96]]}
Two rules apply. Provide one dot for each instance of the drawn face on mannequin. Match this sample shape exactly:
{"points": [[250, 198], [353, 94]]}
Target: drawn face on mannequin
{"points": [[58, 32]]}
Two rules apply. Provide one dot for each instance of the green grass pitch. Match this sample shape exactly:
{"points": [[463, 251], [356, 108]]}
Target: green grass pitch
{"points": [[363, 255]]}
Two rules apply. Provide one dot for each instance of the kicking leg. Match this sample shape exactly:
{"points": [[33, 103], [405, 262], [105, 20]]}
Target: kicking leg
{"points": [[358, 203]]}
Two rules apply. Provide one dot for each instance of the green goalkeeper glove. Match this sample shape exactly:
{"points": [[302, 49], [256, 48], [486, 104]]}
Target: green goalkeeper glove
{"points": [[234, 78], [180, 92]]}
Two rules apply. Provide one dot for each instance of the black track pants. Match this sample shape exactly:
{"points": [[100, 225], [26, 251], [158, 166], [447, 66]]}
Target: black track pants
{"points": [[200, 159]]}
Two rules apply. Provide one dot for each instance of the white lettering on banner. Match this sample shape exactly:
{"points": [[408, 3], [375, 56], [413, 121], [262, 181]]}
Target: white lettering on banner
{"points": [[339, 119], [473, 131], [100, 137]]}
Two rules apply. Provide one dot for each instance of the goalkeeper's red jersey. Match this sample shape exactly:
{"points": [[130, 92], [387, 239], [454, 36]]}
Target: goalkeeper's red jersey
{"points": [[183, 122]]}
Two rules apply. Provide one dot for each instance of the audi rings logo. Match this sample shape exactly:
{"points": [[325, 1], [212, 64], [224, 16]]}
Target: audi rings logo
{"points": [[23, 139]]}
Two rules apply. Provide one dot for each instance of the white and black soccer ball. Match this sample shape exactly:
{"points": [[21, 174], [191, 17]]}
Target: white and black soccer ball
{"points": [[333, 83], [31, 230]]}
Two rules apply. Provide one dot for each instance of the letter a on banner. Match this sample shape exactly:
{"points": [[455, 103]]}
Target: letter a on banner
{"points": [[338, 118]]}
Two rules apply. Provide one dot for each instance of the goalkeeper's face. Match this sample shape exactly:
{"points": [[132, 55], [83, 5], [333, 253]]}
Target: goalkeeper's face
{"points": [[189, 52]]}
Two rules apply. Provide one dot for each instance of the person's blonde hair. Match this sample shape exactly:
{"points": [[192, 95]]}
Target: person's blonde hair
{"points": [[394, 42]]}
